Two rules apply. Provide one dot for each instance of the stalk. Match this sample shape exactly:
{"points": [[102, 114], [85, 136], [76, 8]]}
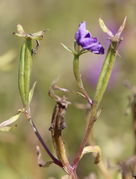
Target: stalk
{"points": [[100, 90]]}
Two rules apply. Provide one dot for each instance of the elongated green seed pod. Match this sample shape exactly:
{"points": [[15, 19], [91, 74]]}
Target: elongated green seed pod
{"points": [[25, 63], [105, 73]]}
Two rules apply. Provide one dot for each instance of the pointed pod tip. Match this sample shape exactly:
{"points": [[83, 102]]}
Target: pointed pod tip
{"points": [[34, 36], [121, 28], [117, 36], [20, 29], [104, 28]]}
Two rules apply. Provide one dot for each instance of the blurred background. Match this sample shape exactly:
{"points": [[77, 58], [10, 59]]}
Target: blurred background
{"points": [[113, 131]]}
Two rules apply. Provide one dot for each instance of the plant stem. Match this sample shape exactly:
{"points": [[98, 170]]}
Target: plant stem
{"points": [[38, 135], [91, 118], [57, 125], [73, 175], [100, 90], [78, 78]]}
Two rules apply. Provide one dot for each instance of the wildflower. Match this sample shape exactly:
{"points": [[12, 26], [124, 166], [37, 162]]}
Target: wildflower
{"points": [[84, 38]]}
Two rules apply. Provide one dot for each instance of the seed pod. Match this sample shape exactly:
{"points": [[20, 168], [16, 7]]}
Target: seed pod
{"points": [[105, 73], [25, 64], [109, 60]]}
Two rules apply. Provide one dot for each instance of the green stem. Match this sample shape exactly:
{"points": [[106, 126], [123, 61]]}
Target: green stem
{"points": [[91, 118], [101, 87], [78, 78], [77, 72]]}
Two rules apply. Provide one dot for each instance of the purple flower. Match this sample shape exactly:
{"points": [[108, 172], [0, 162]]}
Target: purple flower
{"points": [[84, 38]]}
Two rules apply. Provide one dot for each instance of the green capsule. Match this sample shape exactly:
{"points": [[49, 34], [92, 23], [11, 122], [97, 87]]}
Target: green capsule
{"points": [[109, 60], [105, 73], [25, 64]]}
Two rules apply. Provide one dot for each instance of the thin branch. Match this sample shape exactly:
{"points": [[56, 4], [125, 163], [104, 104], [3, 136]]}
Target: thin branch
{"points": [[92, 116], [56, 161], [38, 135]]}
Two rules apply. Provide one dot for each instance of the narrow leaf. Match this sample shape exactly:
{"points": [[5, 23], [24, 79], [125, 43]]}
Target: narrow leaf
{"points": [[6, 125], [32, 92], [67, 48]]}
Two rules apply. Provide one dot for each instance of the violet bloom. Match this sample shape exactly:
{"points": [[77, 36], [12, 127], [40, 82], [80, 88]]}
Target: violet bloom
{"points": [[84, 38]]}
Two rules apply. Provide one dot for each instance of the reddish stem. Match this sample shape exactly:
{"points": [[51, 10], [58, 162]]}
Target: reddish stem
{"points": [[91, 119]]}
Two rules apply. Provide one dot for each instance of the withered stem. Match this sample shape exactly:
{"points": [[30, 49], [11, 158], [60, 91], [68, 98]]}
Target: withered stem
{"points": [[57, 125]]}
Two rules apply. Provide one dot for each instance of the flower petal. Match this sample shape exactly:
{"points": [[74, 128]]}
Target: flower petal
{"points": [[84, 38]]}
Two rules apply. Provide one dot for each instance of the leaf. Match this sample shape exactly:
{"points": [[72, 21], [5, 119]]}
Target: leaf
{"points": [[105, 28], [6, 125], [93, 149], [67, 48], [32, 92]]}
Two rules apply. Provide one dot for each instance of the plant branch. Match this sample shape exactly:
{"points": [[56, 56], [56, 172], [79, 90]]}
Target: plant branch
{"points": [[57, 125], [91, 118], [100, 90], [38, 135], [79, 79]]}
